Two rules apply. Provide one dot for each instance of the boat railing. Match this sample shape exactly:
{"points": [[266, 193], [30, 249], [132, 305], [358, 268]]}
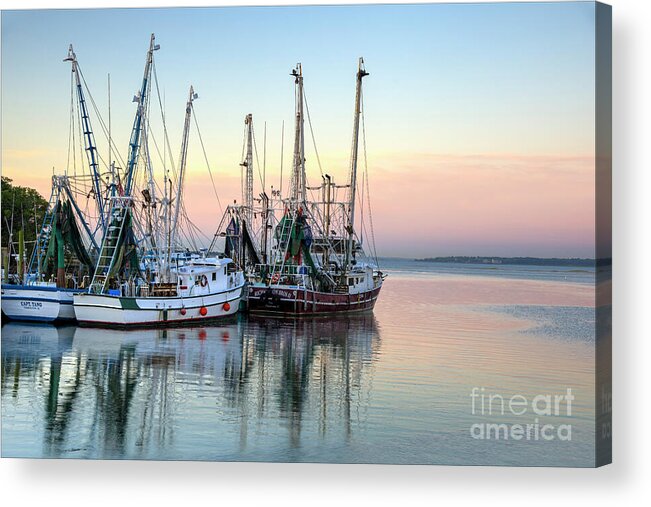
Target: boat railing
{"points": [[285, 270]]}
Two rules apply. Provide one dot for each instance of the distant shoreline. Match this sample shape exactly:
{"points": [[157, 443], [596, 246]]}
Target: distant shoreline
{"points": [[520, 261]]}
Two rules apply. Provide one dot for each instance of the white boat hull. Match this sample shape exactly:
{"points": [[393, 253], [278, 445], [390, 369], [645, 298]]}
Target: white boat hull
{"points": [[108, 310], [38, 303]]}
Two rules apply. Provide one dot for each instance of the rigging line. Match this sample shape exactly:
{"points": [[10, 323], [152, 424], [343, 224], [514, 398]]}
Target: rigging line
{"points": [[195, 231], [109, 123], [361, 207], [81, 140], [243, 143], [187, 217], [242, 165], [282, 150], [368, 193], [184, 216], [160, 103], [72, 113], [195, 228], [205, 156], [153, 137], [309, 121], [257, 159], [149, 134], [99, 116], [191, 232]]}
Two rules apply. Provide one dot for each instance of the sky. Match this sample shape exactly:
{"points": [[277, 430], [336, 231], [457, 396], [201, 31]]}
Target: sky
{"points": [[479, 118]]}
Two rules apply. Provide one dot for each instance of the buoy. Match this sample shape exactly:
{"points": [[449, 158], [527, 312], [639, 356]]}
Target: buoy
{"points": [[183, 311], [203, 311], [227, 306]]}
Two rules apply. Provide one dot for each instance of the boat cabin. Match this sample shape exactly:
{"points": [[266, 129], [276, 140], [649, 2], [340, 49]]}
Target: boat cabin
{"points": [[205, 276], [361, 280]]}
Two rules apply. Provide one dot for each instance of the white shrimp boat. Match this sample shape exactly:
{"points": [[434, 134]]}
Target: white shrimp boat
{"points": [[167, 291], [205, 289]]}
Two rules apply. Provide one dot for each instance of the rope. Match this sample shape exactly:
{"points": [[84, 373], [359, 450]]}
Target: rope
{"points": [[72, 119], [309, 122], [368, 193], [166, 138], [257, 159], [316, 151], [205, 156], [99, 117]]}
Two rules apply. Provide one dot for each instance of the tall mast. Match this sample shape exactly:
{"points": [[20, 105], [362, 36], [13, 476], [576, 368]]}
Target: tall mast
{"points": [[247, 197], [111, 252], [361, 72], [89, 139], [298, 193], [184, 157], [141, 99]]}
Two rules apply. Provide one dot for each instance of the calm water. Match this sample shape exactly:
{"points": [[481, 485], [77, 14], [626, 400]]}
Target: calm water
{"points": [[394, 386]]}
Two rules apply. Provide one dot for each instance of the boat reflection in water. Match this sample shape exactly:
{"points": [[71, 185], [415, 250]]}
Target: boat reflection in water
{"points": [[244, 390], [39, 354]]}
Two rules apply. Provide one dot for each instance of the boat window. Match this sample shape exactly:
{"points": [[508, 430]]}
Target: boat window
{"points": [[224, 270], [214, 276]]}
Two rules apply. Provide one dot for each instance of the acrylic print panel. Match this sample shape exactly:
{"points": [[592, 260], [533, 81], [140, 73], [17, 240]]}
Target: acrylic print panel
{"points": [[348, 234]]}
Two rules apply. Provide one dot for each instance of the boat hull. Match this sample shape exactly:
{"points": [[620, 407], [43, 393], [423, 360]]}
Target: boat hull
{"points": [[38, 304], [294, 301], [106, 310]]}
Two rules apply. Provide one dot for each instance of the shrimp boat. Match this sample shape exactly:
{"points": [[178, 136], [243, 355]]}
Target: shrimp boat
{"points": [[36, 297], [317, 262], [65, 248], [168, 290]]}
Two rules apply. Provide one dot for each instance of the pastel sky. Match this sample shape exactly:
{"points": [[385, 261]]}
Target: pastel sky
{"points": [[480, 122]]}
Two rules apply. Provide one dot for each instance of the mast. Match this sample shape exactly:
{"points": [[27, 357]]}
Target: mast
{"points": [[183, 162], [247, 197], [89, 139], [361, 73], [298, 193], [111, 251], [141, 99]]}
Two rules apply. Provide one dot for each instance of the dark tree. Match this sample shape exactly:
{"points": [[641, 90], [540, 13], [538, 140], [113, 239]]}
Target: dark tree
{"points": [[27, 208]]}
